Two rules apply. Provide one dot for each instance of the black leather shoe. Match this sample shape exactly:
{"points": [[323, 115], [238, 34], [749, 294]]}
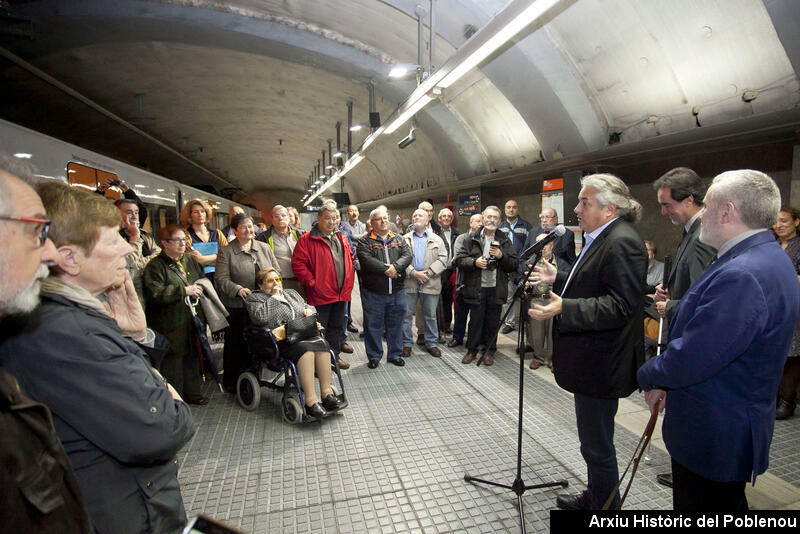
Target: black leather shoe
{"points": [[665, 479], [506, 329], [399, 362], [373, 364], [785, 409], [331, 402], [578, 501], [453, 343], [202, 401], [316, 411], [351, 328]]}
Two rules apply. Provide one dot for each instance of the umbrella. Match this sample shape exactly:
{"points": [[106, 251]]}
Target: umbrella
{"points": [[207, 361]]}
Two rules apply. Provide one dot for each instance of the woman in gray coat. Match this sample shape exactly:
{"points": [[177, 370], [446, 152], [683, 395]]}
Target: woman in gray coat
{"points": [[236, 268], [272, 307]]}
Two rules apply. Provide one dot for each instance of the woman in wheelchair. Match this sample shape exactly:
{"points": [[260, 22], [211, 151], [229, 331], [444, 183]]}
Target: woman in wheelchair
{"points": [[272, 307]]}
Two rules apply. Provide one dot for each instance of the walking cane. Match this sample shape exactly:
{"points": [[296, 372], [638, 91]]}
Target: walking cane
{"points": [[667, 267], [644, 443]]}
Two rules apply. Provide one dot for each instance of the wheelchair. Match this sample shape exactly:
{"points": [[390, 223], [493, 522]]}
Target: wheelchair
{"points": [[264, 352]]}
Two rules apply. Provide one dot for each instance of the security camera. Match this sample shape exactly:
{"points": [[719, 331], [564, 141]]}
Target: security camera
{"points": [[407, 140]]}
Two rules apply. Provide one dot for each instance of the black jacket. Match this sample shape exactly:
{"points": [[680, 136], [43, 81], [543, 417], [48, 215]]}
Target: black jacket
{"points": [[692, 259], [598, 340], [372, 257], [38, 490], [465, 261], [119, 424], [563, 249]]}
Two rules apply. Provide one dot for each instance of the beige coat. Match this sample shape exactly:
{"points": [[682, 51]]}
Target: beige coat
{"points": [[435, 265], [235, 269]]}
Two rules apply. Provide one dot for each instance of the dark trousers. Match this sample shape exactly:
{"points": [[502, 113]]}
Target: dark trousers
{"points": [[693, 493], [595, 418], [383, 311], [183, 372], [331, 317], [484, 320], [790, 379], [235, 356], [460, 321], [446, 302], [347, 320]]}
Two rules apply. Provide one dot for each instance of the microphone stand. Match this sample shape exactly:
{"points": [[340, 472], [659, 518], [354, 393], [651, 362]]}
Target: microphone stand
{"points": [[518, 486]]}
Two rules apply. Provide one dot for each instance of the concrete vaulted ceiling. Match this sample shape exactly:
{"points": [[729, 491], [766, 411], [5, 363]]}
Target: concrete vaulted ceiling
{"points": [[252, 89]]}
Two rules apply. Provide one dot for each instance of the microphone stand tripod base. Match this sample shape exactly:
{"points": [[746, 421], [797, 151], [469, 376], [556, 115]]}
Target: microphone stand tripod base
{"points": [[518, 486]]}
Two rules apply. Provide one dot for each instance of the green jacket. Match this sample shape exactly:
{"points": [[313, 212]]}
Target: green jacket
{"points": [[166, 309]]}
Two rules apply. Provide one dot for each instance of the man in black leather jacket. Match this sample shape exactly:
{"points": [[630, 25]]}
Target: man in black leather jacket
{"points": [[487, 260]]}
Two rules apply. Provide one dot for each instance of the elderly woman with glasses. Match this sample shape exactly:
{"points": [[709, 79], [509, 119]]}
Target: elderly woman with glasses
{"points": [[87, 355], [237, 265], [168, 279], [272, 306]]}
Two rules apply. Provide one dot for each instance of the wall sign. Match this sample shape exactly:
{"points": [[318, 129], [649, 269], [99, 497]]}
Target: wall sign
{"points": [[469, 204]]}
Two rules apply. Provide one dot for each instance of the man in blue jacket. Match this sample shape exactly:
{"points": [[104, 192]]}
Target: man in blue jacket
{"points": [[728, 344]]}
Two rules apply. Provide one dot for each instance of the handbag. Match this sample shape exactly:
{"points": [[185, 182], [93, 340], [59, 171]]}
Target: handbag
{"points": [[301, 328]]}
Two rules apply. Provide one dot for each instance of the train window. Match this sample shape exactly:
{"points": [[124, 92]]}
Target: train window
{"points": [[89, 178]]}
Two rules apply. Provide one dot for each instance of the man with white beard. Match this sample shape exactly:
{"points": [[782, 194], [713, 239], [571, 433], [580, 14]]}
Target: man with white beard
{"points": [[26, 428], [487, 259]]}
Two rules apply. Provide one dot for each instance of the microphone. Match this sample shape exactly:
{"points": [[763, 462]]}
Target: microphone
{"points": [[537, 247]]}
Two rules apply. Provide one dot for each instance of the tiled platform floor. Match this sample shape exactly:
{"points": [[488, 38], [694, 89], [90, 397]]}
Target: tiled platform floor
{"points": [[395, 459]]}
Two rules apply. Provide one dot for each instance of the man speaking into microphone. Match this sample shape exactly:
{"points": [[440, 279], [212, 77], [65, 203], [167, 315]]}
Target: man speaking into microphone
{"points": [[598, 334]]}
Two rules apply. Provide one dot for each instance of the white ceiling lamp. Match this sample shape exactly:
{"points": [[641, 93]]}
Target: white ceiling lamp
{"points": [[403, 71]]}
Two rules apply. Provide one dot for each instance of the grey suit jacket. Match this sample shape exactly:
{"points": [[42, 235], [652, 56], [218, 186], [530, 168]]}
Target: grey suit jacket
{"points": [[691, 260], [235, 269]]}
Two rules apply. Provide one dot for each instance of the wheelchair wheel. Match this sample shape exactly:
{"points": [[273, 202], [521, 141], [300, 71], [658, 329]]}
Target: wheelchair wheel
{"points": [[292, 410], [248, 391]]}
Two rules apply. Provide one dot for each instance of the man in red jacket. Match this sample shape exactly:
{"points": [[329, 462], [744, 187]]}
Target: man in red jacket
{"points": [[323, 263]]}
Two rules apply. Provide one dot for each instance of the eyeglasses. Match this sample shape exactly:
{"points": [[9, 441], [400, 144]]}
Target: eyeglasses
{"points": [[179, 240], [272, 280], [543, 216], [44, 225]]}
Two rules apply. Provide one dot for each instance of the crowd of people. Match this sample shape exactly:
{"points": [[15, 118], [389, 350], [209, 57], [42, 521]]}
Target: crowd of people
{"points": [[98, 362]]}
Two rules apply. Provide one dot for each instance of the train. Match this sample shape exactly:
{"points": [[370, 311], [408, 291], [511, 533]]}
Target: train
{"points": [[53, 159]]}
